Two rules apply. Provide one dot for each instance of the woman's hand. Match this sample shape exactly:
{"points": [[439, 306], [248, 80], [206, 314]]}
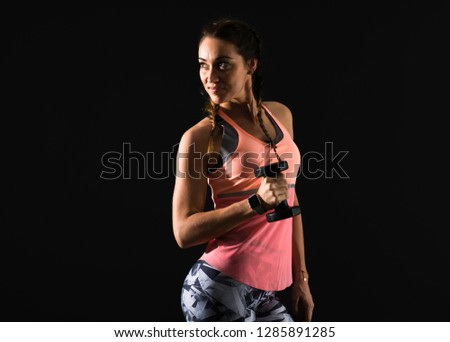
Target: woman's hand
{"points": [[301, 301], [273, 191]]}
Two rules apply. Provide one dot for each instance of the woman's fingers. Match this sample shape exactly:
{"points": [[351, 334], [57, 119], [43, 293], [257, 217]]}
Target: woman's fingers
{"points": [[274, 190]]}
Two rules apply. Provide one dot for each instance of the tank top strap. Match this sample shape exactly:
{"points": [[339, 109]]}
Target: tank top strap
{"points": [[277, 122]]}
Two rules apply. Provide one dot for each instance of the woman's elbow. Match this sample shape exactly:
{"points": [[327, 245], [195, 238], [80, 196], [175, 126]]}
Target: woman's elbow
{"points": [[181, 243], [180, 238]]}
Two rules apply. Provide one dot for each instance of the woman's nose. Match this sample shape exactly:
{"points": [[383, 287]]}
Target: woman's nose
{"points": [[213, 76]]}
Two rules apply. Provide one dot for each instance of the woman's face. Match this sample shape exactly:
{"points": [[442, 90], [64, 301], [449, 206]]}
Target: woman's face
{"points": [[224, 73]]}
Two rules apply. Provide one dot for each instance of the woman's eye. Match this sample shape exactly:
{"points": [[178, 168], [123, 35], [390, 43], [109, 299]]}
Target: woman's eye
{"points": [[203, 65], [223, 65]]}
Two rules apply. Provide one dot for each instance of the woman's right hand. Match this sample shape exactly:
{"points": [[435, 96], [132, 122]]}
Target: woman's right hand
{"points": [[273, 191]]}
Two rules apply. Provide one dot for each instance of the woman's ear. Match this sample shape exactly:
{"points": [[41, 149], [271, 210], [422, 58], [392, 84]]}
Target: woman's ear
{"points": [[252, 65]]}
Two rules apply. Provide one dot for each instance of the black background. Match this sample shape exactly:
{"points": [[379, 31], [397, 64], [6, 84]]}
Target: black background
{"points": [[369, 79]]}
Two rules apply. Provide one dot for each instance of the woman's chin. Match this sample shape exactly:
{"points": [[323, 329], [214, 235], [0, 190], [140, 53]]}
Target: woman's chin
{"points": [[217, 99]]}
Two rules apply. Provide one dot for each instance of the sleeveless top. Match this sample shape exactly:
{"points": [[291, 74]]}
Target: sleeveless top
{"points": [[256, 252]]}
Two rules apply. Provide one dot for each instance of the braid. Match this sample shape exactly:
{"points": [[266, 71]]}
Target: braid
{"points": [[257, 86], [212, 109], [261, 123]]}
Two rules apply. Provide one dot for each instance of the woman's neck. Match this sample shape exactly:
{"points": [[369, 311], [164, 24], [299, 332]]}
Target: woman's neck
{"points": [[249, 110]]}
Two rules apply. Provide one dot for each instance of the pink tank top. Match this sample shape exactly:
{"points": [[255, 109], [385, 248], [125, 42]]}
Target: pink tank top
{"points": [[256, 252]]}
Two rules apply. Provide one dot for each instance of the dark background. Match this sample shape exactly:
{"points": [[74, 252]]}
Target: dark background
{"points": [[370, 79]]}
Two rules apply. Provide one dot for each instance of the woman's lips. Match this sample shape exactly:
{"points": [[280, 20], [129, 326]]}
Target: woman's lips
{"points": [[215, 90]]}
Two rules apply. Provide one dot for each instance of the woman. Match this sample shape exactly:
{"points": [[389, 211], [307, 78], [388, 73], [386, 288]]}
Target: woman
{"points": [[247, 258]]}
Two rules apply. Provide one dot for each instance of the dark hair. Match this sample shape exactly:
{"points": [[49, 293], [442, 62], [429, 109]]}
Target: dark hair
{"points": [[248, 44]]}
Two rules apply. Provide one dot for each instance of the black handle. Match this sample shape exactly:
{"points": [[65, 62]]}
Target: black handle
{"points": [[283, 211]]}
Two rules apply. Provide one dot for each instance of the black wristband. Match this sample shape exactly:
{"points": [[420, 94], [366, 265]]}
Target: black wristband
{"points": [[255, 204]]}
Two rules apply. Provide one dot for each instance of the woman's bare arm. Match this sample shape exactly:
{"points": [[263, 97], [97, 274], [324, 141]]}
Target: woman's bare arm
{"points": [[192, 225]]}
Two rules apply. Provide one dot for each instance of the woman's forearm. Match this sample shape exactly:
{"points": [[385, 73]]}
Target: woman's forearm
{"points": [[200, 227], [298, 249]]}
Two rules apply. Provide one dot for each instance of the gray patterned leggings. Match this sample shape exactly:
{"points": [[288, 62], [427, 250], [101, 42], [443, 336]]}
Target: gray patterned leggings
{"points": [[208, 295]]}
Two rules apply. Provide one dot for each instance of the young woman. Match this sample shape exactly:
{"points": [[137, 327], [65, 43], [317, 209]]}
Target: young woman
{"points": [[247, 259]]}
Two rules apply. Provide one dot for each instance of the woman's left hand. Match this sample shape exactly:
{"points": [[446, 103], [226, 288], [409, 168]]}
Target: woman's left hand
{"points": [[301, 301]]}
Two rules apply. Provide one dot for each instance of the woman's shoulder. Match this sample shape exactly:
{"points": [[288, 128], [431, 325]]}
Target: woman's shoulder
{"points": [[277, 106], [281, 112], [199, 133]]}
